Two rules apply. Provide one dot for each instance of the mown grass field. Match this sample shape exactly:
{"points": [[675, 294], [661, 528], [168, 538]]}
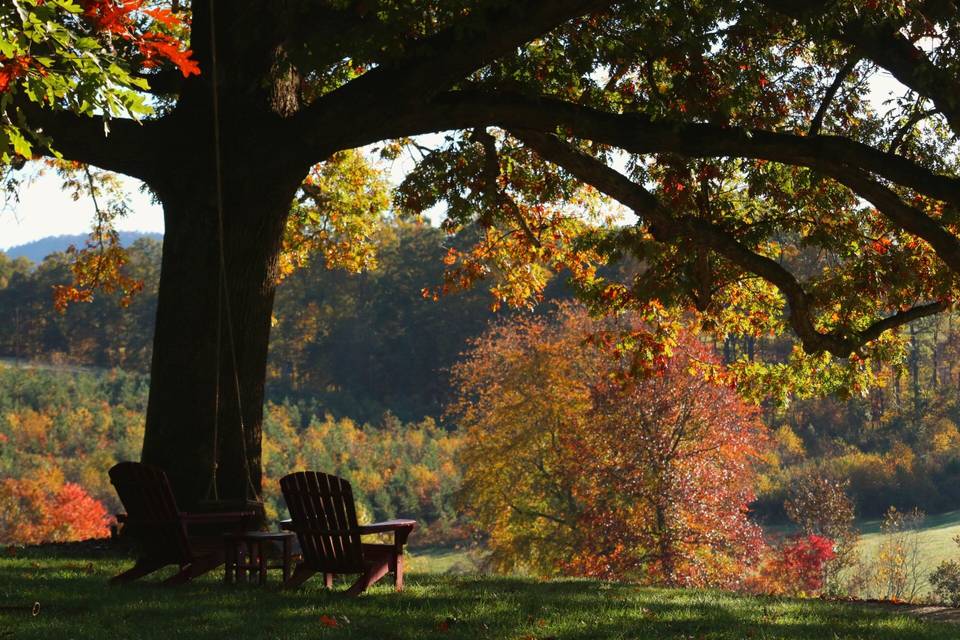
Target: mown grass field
{"points": [[936, 539], [75, 602], [448, 560], [936, 544]]}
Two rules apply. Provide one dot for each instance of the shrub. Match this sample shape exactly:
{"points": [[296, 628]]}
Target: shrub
{"points": [[898, 565], [33, 511], [578, 461], [946, 580], [796, 567], [820, 506]]}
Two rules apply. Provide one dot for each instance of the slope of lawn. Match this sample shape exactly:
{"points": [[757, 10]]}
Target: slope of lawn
{"points": [[445, 559], [75, 602], [935, 539]]}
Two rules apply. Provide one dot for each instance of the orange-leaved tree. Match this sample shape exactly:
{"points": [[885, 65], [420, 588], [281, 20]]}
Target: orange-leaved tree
{"points": [[577, 462], [46, 509]]}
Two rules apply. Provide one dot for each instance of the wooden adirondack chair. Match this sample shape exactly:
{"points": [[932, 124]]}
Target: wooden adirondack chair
{"points": [[161, 530], [323, 516]]}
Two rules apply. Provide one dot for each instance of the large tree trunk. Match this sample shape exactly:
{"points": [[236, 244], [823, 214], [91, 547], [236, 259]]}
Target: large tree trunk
{"points": [[261, 170], [182, 415]]}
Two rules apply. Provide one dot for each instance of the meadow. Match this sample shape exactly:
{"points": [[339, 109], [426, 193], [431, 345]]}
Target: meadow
{"points": [[75, 602], [935, 543]]}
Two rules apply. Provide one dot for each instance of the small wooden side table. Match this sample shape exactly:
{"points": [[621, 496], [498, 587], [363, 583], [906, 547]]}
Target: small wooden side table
{"points": [[246, 552]]}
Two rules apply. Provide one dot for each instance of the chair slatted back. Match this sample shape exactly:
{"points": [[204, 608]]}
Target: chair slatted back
{"points": [[324, 517], [153, 519]]}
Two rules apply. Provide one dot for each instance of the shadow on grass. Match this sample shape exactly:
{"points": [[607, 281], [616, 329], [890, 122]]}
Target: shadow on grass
{"points": [[77, 603]]}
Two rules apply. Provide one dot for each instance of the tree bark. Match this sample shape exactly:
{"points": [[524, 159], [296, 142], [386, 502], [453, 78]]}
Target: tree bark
{"points": [[205, 409], [185, 433]]}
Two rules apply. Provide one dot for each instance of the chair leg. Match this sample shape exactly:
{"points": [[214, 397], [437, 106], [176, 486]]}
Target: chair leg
{"points": [[328, 580], [397, 568], [300, 575], [195, 569], [181, 577], [369, 577], [142, 567]]}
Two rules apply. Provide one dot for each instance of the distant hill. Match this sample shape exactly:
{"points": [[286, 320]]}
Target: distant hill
{"points": [[40, 249]]}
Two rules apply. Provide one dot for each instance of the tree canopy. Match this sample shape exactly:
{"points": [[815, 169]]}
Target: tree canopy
{"points": [[771, 189], [573, 465]]}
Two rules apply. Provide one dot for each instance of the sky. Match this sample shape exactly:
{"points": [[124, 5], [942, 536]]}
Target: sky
{"points": [[45, 210]]}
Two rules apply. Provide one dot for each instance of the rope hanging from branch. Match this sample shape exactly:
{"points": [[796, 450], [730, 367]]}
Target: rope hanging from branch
{"points": [[223, 290]]}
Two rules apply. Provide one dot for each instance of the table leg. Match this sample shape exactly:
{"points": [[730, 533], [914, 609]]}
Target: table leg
{"points": [[231, 559], [262, 563]]}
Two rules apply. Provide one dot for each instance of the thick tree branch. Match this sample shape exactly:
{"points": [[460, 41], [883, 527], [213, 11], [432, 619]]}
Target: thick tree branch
{"points": [[665, 227], [911, 219], [437, 62], [339, 29], [640, 134], [887, 47], [86, 140], [842, 159]]}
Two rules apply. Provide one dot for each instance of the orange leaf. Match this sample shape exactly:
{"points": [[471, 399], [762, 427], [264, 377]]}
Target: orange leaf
{"points": [[328, 621]]}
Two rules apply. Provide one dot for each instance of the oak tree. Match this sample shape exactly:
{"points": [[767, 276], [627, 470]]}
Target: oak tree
{"points": [[770, 191]]}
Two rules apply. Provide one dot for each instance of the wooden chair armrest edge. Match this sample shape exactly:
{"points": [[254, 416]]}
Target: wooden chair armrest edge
{"points": [[222, 516]]}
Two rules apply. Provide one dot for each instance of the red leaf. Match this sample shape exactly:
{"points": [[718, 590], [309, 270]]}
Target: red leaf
{"points": [[329, 621]]}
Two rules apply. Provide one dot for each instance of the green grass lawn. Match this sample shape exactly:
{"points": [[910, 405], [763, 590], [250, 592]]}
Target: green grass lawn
{"points": [[936, 543], [449, 560], [936, 540], [76, 603]]}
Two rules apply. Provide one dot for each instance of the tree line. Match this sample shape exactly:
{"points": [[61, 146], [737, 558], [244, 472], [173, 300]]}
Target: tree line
{"points": [[358, 346], [60, 431]]}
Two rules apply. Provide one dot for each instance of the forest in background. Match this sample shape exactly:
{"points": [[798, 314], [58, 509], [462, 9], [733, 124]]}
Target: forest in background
{"points": [[360, 363]]}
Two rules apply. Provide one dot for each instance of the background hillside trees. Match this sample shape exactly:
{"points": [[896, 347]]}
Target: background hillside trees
{"points": [[358, 345], [59, 430]]}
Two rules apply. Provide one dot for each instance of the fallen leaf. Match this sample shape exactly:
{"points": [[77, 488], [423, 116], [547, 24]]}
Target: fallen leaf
{"points": [[328, 621], [445, 624]]}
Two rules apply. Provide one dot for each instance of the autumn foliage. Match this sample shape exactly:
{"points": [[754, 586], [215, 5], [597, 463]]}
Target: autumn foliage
{"points": [[572, 465], [43, 510], [152, 32], [60, 431], [797, 567]]}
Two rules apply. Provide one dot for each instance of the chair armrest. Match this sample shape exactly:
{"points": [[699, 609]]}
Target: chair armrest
{"points": [[320, 532], [387, 525], [401, 530], [223, 516]]}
